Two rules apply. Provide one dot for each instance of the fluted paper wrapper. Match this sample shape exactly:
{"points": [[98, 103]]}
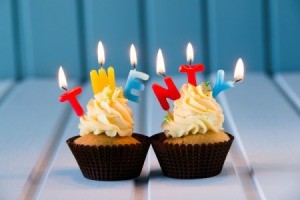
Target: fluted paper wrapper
{"points": [[190, 161], [109, 163]]}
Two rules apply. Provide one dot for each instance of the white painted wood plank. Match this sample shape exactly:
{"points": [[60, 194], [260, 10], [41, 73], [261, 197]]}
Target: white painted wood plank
{"points": [[289, 83], [293, 80], [224, 186], [5, 86], [269, 131], [237, 152], [65, 179], [29, 116]]}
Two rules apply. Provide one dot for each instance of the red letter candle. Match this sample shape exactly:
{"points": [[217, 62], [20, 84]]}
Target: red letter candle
{"points": [[161, 93], [70, 95], [191, 69]]}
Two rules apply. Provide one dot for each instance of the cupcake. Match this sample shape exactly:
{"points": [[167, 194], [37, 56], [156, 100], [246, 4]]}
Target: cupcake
{"points": [[193, 144], [107, 148]]}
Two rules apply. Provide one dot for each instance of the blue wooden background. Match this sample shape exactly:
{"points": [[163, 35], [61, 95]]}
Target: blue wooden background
{"points": [[38, 36]]}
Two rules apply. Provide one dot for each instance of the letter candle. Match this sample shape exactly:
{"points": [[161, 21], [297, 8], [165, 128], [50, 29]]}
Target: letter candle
{"points": [[191, 69], [135, 78], [70, 95], [220, 85], [161, 93], [100, 79]]}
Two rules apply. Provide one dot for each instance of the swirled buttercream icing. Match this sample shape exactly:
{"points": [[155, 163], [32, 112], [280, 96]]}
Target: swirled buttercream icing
{"points": [[108, 113], [196, 111]]}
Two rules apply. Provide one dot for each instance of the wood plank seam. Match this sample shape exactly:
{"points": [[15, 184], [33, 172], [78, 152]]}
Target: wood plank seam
{"points": [[43, 164], [142, 182], [240, 159], [287, 92], [5, 94]]}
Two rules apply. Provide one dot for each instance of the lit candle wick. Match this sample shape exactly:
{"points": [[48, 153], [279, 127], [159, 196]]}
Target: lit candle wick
{"points": [[133, 57], [237, 80], [101, 54], [64, 88], [239, 71], [189, 53]]}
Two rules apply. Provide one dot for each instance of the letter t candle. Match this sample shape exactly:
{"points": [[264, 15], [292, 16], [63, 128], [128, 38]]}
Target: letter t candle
{"points": [[191, 69], [161, 93], [70, 95]]}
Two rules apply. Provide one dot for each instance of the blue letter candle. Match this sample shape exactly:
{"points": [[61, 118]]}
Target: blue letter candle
{"points": [[220, 85], [135, 81], [135, 78]]}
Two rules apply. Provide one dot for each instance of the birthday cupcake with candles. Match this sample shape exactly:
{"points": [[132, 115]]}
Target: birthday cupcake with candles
{"points": [[193, 143], [107, 148]]}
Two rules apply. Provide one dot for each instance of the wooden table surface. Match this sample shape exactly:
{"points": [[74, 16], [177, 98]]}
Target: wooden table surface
{"points": [[264, 162]]}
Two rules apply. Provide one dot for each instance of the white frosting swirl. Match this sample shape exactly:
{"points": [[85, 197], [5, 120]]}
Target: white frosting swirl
{"points": [[108, 113], [195, 112]]}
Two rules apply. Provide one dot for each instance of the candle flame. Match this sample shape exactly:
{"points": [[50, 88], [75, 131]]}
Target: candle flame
{"points": [[101, 54], [160, 64], [62, 81], [189, 53], [239, 70], [133, 58]]}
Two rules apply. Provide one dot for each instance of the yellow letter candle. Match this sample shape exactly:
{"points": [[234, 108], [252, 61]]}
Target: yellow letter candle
{"points": [[100, 79]]}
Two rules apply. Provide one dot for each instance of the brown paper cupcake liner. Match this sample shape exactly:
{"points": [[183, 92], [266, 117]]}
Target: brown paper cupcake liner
{"points": [[190, 161], [109, 163]]}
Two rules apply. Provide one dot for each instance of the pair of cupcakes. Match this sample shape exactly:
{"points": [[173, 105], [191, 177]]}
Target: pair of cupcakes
{"points": [[193, 144]]}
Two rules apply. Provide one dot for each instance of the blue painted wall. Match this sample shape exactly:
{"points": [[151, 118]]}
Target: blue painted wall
{"points": [[38, 36], [285, 32], [117, 24], [7, 46], [236, 29]]}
